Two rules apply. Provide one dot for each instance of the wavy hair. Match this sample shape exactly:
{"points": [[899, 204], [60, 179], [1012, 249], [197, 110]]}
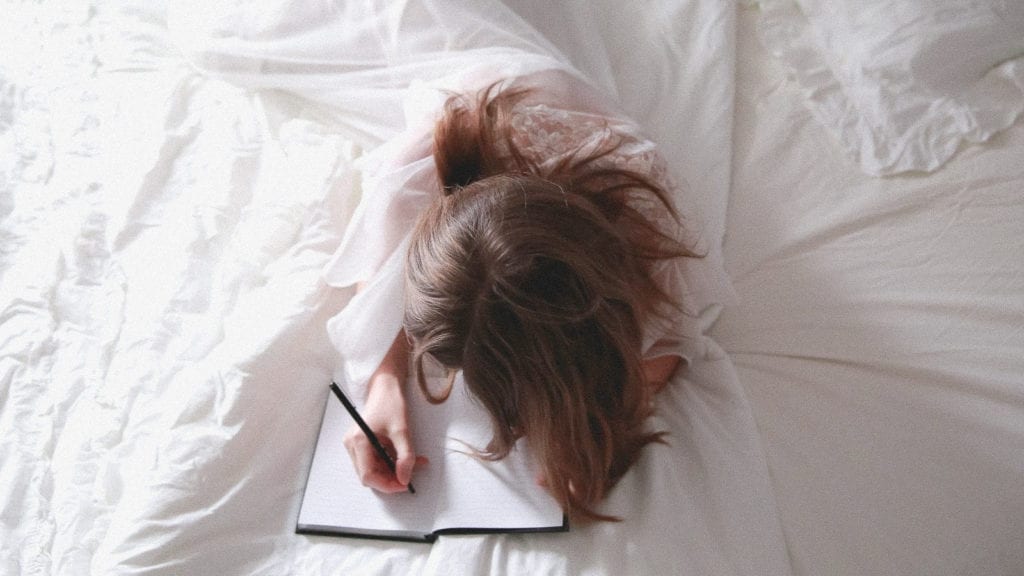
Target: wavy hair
{"points": [[536, 285]]}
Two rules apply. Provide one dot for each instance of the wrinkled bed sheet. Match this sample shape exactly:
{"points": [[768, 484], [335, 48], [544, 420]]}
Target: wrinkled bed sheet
{"points": [[880, 340], [163, 358]]}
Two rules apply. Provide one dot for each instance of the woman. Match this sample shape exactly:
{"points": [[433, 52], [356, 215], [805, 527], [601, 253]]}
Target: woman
{"points": [[546, 269], [564, 340]]}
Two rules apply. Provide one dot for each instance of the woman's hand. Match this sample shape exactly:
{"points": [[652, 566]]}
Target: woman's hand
{"points": [[386, 414], [659, 370]]}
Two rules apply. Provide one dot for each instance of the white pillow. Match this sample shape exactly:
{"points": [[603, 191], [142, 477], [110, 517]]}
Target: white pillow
{"points": [[903, 82]]}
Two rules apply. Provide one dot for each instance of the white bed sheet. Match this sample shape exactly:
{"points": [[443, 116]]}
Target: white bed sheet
{"points": [[163, 358], [880, 338]]}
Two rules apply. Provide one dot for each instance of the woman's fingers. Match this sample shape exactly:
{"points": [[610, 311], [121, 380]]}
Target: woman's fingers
{"points": [[373, 471], [405, 458]]}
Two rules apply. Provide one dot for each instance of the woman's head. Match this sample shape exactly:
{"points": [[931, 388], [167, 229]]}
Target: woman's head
{"points": [[532, 293], [536, 286]]}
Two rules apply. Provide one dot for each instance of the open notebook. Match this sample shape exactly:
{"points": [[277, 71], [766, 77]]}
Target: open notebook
{"points": [[455, 493]]}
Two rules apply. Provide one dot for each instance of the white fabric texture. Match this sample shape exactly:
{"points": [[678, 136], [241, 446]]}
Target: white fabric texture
{"points": [[903, 84], [169, 202]]}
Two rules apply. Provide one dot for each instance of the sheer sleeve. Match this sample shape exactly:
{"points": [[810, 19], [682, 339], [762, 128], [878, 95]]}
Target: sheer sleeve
{"points": [[400, 180]]}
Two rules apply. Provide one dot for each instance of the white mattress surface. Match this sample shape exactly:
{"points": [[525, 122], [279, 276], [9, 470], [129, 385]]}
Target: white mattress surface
{"points": [[880, 339]]}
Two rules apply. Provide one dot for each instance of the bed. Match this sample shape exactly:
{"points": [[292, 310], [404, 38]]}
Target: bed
{"points": [[170, 197]]}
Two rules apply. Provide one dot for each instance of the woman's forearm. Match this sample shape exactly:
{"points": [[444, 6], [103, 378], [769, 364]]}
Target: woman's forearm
{"points": [[395, 365], [385, 412]]}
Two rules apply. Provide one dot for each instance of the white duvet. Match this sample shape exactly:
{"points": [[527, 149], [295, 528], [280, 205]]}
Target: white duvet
{"points": [[164, 354]]}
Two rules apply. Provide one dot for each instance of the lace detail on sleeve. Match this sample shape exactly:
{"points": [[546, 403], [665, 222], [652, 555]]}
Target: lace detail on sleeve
{"points": [[547, 135]]}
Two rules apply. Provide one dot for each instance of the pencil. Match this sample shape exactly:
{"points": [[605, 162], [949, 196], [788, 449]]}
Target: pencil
{"points": [[366, 430]]}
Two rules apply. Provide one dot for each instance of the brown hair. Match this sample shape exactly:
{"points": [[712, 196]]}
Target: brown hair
{"points": [[536, 284]]}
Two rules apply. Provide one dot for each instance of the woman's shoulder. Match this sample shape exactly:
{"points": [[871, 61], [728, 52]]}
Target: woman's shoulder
{"points": [[565, 90], [548, 132], [562, 114]]}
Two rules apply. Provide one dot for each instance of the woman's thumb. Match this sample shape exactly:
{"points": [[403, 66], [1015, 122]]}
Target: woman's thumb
{"points": [[405, 459]]}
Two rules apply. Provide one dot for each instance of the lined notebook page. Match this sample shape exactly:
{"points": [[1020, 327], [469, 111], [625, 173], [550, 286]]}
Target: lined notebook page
{"points": [[336, 499], [453, 491], [504, 495]]}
